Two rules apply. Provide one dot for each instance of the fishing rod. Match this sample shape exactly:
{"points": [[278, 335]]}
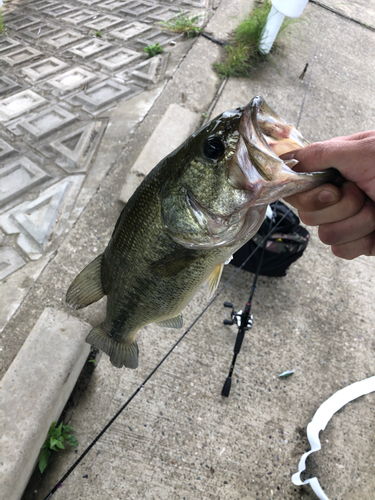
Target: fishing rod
{"points": [[142, 385], [243, 318], [247, 324]]}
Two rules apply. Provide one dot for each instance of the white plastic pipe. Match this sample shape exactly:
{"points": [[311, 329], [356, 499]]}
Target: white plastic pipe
{"points": [[274, 21], [279, 9], [290, 8]]}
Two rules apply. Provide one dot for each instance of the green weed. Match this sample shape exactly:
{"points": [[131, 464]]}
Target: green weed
{"points": [[153, 50], [55, 440], [183, 24], [2, 27], [243, 54], [236, 62]]}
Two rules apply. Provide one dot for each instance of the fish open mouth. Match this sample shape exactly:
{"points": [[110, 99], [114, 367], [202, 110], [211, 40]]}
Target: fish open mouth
{"points": [[257, 167], [267, 136]]}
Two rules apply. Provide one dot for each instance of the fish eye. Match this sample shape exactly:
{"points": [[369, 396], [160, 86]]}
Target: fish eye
{"points": [[213, 148]]}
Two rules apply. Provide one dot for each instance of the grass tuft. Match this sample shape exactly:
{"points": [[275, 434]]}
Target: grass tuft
{"points": [[153, 50], [2, 27], [243, 54], [236, 62], [183, 24]]}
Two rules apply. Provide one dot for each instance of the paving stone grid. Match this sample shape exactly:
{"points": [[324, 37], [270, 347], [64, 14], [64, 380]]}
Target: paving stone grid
{"points": [[56, 79]]}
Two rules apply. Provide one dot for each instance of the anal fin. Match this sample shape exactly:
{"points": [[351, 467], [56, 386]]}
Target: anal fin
{"points": [[175, 322], [120, 353], [87, 286]]}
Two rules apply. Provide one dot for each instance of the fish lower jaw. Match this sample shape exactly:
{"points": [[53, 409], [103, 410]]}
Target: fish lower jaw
{"points": [[209, 243], [267, 193]]}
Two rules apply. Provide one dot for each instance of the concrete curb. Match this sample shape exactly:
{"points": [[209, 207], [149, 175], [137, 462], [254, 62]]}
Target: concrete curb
{"points": [[33, 395], [175, 126], [36, 387]]}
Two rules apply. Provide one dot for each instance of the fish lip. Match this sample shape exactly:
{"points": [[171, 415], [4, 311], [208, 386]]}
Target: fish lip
{"points": [[257, 161], [254, 107]]}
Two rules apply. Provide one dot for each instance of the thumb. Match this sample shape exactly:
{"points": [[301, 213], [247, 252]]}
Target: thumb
{"points": [[352, 156], [316, 156]]}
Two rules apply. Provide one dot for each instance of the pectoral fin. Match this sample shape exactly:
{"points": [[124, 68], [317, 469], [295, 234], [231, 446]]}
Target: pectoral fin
{"points": [[173, 264], [87, 286], [175, 322], [214, 278]]}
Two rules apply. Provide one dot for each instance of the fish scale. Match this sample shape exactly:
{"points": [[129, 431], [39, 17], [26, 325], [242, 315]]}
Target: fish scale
{"points": [[191, 213]]}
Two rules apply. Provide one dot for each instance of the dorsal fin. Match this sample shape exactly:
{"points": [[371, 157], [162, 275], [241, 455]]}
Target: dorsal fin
{"points": [[87, 286]]}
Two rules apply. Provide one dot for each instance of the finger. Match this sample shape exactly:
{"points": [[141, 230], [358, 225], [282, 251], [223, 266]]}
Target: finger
{"points": [[350, 203], [366, 137], [344, 155], [351, 229], [349, 251], [319, 155], [315, 199], [354, 137]]}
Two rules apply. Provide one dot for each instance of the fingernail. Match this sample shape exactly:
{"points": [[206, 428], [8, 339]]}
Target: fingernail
{"points": [[287, 156], [325, 196]]}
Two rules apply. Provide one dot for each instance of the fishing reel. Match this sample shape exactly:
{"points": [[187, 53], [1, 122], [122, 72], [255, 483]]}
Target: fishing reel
{"points": [[236, 317], [244, 322]]}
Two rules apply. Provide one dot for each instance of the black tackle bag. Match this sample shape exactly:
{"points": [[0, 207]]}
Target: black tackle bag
{"points": [[283, 247]]}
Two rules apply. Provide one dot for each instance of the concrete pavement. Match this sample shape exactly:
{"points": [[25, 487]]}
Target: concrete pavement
{"points": [[179, 438]]}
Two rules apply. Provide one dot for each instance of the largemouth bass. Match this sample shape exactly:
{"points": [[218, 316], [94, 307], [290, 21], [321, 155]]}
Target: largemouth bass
{"points": [[190, 214]]}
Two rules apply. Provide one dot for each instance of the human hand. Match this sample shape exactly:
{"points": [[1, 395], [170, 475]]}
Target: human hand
{"points": [[345, 215]]}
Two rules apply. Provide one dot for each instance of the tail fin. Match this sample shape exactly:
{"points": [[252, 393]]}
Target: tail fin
{"points": [[87, 286], [120, 353]]}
